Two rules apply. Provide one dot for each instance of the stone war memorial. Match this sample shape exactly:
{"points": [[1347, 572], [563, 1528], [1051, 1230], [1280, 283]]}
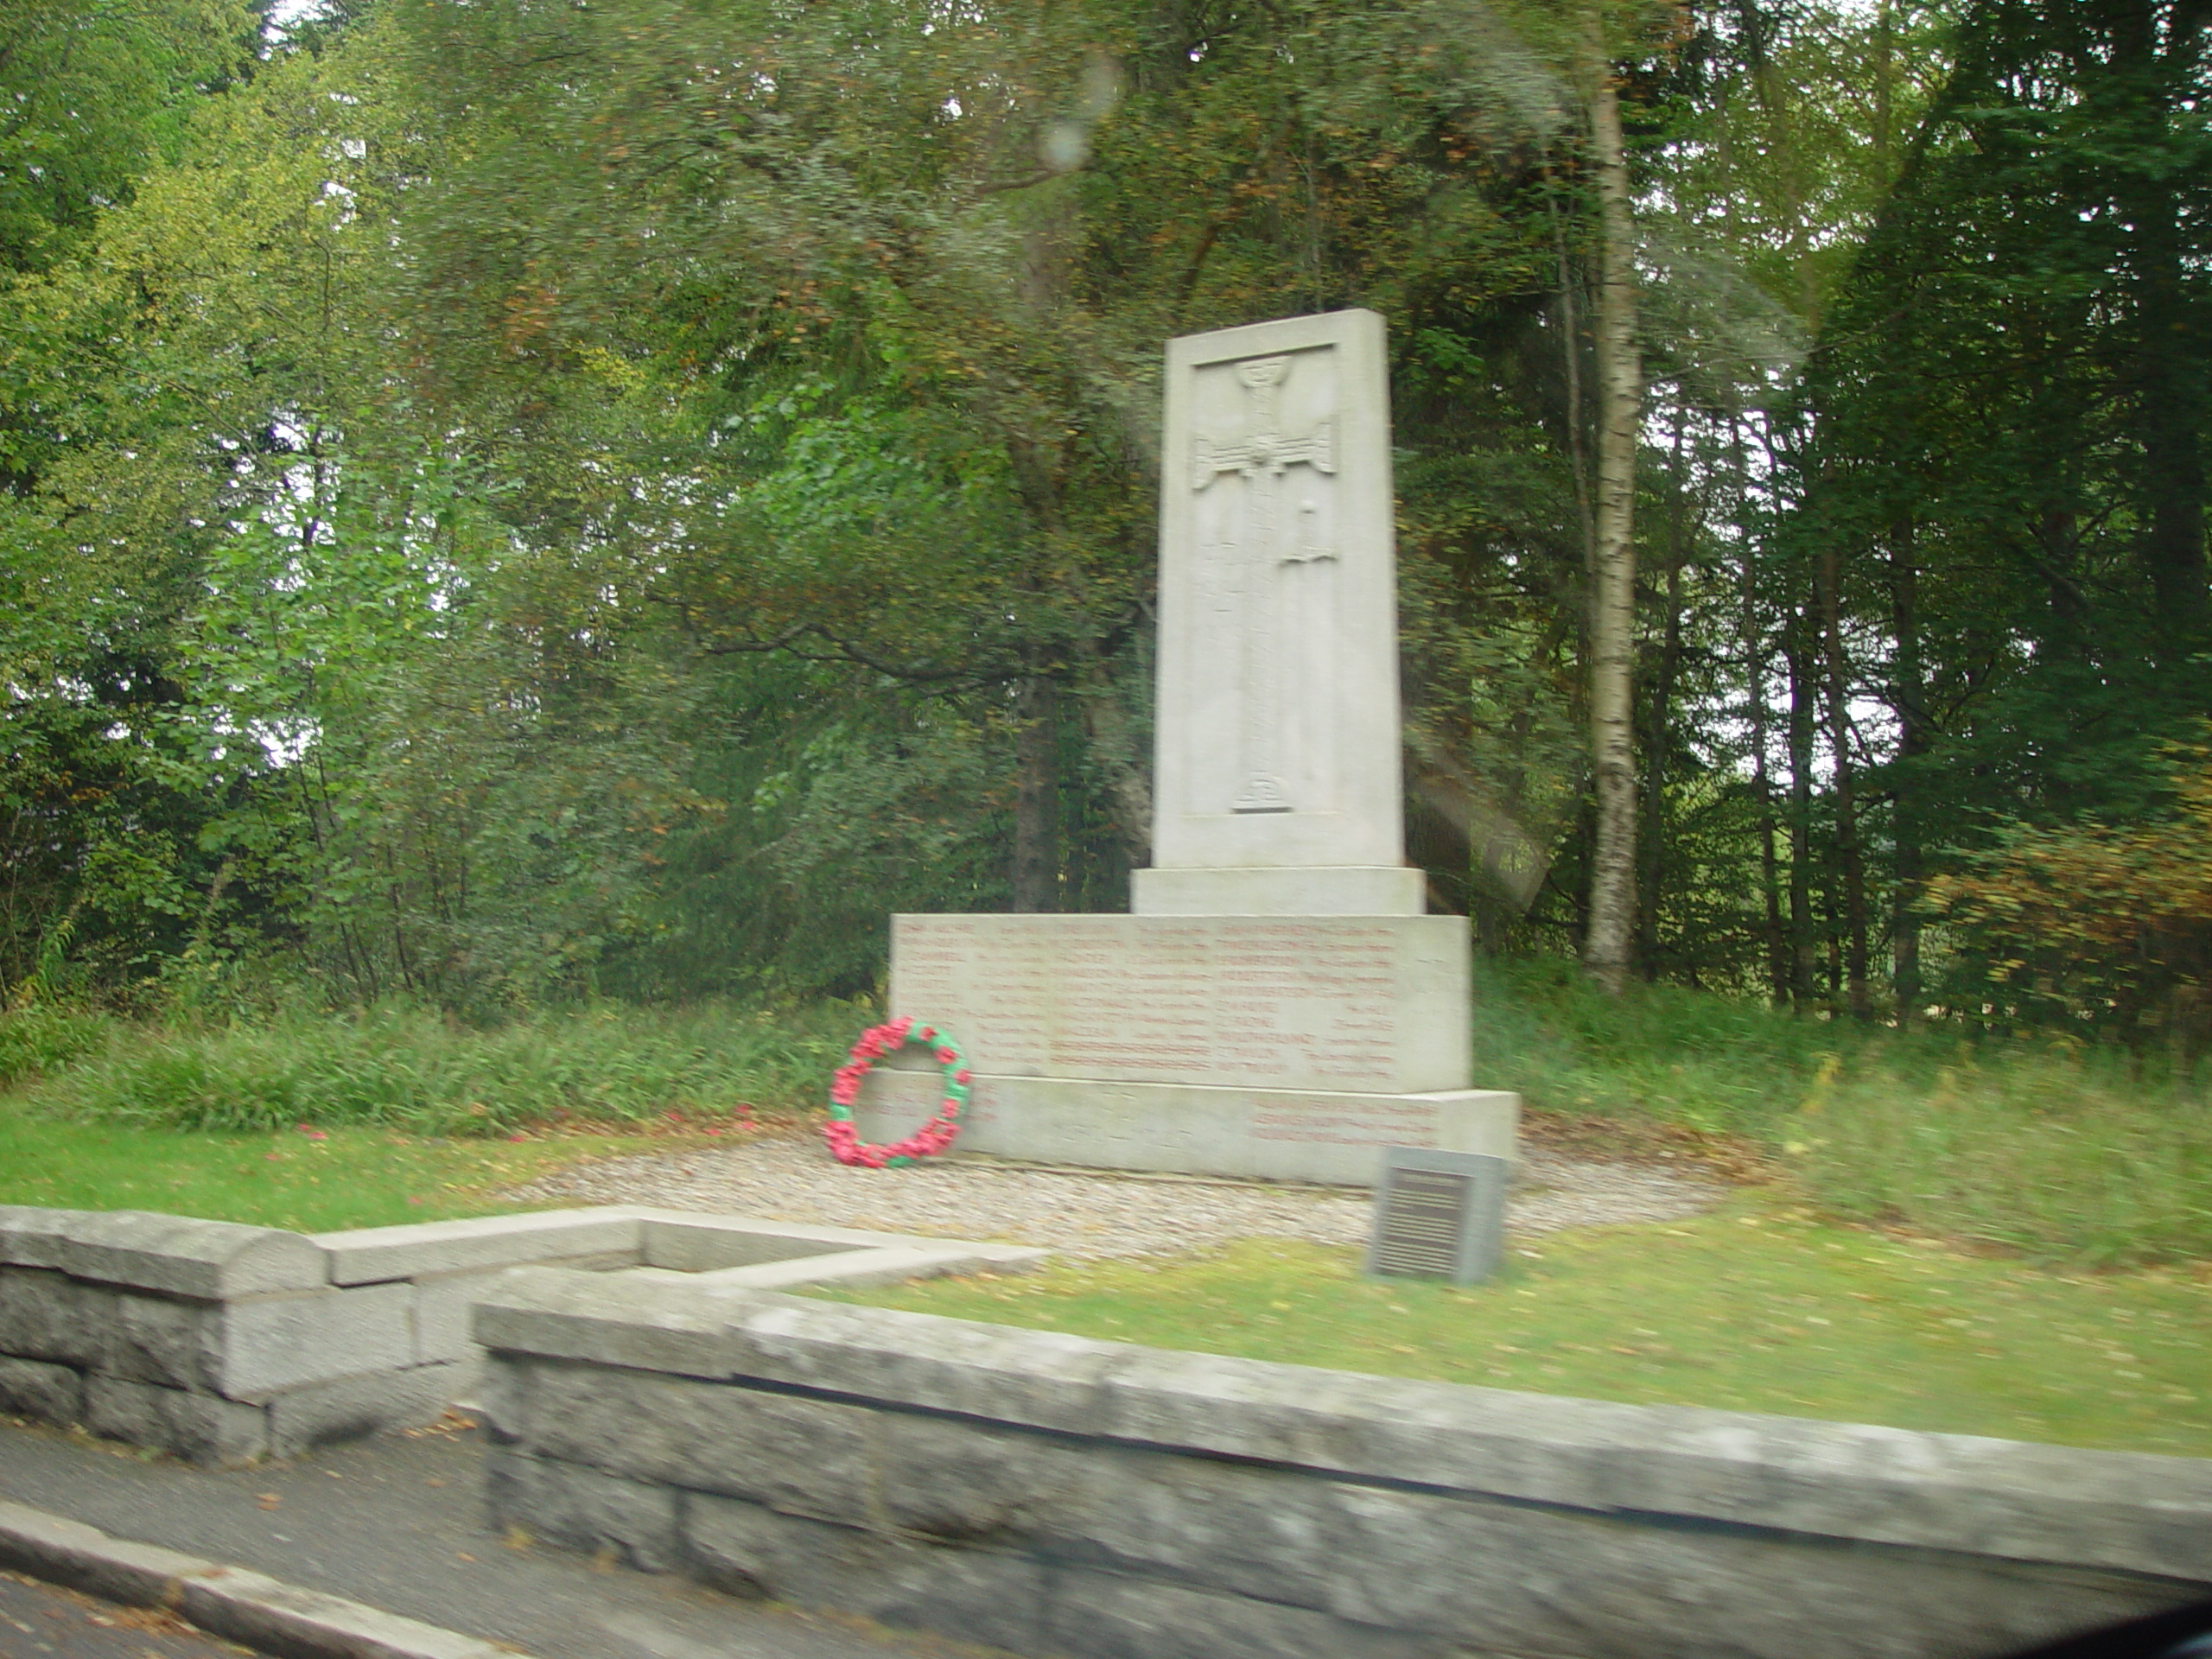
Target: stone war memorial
{"points": [[1277, 1003]]}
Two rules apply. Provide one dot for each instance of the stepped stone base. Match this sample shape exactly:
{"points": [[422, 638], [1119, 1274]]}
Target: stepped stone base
{"points": [[1290, 1047], [1288, 1135], [1302, 890], [1353, 1004]]}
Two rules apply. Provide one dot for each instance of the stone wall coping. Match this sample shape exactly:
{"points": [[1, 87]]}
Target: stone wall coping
{"points": [[2134, 1511], [179, 1255], [221, 1261], [708, 1222], [373, 1255], [883, 1265]]}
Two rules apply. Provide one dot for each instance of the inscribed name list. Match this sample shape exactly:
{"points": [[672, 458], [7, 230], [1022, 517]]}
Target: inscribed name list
{"points": [[1362, 1004]]}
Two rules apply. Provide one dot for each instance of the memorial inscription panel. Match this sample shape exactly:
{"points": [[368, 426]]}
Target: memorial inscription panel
{"points": [[1362, 1004]]}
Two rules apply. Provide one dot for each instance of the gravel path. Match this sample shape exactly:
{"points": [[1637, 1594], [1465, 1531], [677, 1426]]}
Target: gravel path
{"points": [[789, 1177]]}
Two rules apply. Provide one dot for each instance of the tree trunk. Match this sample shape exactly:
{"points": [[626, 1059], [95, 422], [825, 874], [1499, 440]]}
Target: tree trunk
{"points": [[1612, 607], [2169, 376], [1114, 747], [1652, 845], [1850, 861], [1909, 700], [1755, 660], [1801, 814], [1036, 850]]}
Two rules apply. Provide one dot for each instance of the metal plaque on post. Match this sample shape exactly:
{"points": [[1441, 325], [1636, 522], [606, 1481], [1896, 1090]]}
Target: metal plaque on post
{"points": [[1439, 1215]]}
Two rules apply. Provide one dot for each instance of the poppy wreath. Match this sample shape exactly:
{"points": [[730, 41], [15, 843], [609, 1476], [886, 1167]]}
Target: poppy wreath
{"points": [[878, 1043]]}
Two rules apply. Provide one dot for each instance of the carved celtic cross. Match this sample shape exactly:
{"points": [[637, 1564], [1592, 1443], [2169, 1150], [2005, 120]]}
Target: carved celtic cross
{"points": [[1261, 459]]}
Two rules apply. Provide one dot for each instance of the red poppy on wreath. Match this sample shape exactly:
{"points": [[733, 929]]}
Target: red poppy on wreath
{"points": [[878, 1043]]}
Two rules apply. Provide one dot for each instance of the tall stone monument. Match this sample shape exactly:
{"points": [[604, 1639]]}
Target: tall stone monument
{"points": [[1277, 1004]]}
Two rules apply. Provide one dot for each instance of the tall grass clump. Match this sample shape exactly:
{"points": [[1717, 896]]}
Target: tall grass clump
{"points": [[37, 1041], [2037, 1144], [2059, 1153], [411, 1068], [1721, 1065]]}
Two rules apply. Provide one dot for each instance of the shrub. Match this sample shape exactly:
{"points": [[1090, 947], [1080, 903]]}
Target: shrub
{"points": [[404, 1066], [37, 1039]]}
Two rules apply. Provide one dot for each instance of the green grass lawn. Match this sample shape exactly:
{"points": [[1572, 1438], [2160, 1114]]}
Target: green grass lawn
{"points": [[1758, 1306], [350, 1178]]}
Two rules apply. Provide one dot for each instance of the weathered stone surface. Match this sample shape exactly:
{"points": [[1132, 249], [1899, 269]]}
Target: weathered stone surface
{"points": [[1190, 1128], [967, 1482], [1333, 1004], [176, 1255], [1104, 1616], [375, 1255], [271, 1343], [1604, 1587], [584, 1509], [444, 1305], [1277, 720], [1248, 1531], [349, 1407], [706, 1245], [892, 1264], [2124, 1510], [809, 1457], [675, 1326], [160, 1339], [502, 1398], [271, 1617], [31, 1387], [198, 1427], [30, 1235], [976, 1595], [45, 1314], [1257, 890], [69, 1552], [1215, 1526]]}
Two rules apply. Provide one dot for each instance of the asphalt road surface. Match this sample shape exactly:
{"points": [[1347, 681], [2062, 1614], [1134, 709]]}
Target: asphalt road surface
{"points": [[40, 1621]]}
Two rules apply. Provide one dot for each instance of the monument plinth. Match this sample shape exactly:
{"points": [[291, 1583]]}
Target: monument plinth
{"points": [[1276, 1003]]}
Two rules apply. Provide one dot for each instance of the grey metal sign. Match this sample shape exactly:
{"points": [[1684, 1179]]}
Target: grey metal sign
{"points": [[1439, 1215]]}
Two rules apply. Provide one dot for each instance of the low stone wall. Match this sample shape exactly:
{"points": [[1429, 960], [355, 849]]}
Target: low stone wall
{"points": [[222, 1344], [1051, 1495]]}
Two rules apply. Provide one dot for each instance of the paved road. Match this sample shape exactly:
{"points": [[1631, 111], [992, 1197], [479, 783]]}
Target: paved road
{"points": [[38, 1621], [398, 1522]]}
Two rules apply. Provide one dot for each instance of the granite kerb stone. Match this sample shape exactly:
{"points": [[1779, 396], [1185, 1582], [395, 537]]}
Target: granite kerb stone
{"points": [[2132, 1512]]}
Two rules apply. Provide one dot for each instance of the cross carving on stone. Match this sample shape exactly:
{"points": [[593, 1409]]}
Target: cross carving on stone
{"points": [[1262, 459]]}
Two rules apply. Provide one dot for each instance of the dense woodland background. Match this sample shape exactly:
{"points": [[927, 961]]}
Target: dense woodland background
{"points": [[506, 501]]}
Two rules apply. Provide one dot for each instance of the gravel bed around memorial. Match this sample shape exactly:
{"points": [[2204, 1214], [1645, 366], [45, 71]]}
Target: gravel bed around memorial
{"points": [[792, 1178]]}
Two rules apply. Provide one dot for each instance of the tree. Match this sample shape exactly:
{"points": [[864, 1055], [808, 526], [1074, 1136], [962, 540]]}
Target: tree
{"points": [[1612, 864], [2006, 418]]}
